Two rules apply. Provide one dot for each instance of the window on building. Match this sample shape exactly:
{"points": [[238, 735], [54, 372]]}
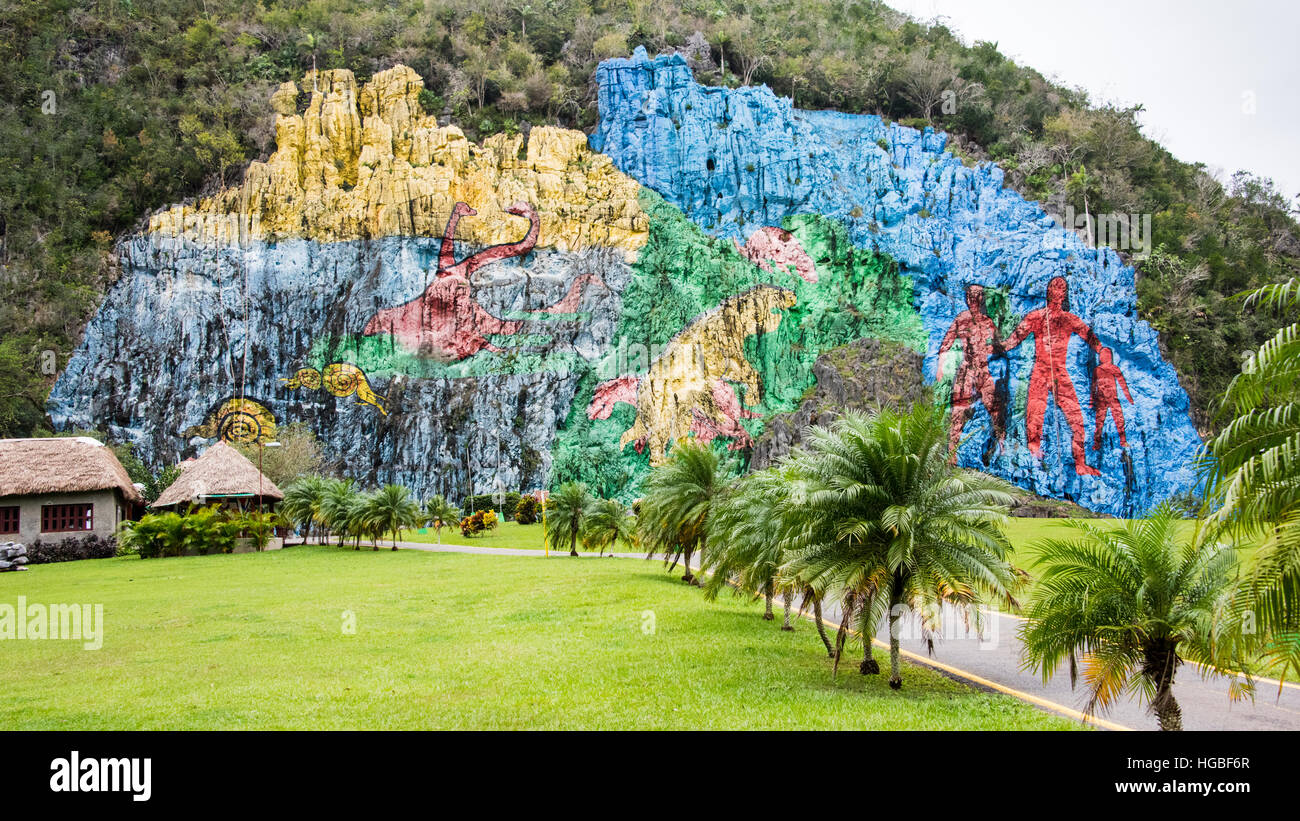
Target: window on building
{"points": [[59, 518], [9, 519]]}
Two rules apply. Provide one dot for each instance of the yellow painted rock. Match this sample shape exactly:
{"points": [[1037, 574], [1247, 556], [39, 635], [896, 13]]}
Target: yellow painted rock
{"points": [[238, 421], [308, 378], [368, 163], [680, 383]]}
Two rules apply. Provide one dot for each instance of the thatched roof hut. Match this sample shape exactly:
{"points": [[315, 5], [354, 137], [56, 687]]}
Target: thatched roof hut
{"points": [[68, 464], [220, 475]]}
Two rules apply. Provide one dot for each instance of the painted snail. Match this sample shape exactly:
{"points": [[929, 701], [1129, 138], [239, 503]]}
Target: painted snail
{"points": [[340, 379]]}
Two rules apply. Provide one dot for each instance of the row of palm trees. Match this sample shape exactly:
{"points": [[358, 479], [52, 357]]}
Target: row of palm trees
{"points": [[869, 512], [573, 514], [336, 508]]}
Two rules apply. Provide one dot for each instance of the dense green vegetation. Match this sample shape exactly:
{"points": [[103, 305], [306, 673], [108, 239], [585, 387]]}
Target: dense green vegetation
{"points": [[327, 638], [335, 508], [1255, 485], [204, 530], [111, 109]]}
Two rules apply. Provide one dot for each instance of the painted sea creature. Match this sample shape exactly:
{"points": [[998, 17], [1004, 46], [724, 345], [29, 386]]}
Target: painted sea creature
{"points": [[446, 322]]}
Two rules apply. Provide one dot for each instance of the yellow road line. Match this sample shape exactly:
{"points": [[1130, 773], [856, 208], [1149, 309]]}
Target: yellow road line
{"points": [[1069, 712], [1290, 684]]}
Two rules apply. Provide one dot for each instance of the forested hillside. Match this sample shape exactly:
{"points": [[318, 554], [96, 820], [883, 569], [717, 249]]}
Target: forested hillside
{"points": [[109, 110]]}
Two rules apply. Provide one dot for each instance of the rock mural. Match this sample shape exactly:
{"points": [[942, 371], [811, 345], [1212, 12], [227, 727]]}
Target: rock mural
{"points": [[738, 160], [241, 421], [528, 310]]}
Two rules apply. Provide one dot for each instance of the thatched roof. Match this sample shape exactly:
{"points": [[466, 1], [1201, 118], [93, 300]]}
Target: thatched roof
{"points": [[69, 464], [220, 472]]}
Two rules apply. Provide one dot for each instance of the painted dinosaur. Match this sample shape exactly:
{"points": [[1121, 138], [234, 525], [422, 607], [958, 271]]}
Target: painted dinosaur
{"points": [[446, 322], [771, 244], [690, 387]]}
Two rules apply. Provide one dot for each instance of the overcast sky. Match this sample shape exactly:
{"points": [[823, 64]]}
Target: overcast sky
{"points": [[1196, 65]]}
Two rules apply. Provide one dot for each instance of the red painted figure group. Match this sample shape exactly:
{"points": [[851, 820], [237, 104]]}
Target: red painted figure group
{"points": [[1052, 328]]}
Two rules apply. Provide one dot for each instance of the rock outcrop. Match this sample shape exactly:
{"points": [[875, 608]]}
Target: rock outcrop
{"points": [[864, 375], [364, 164]]}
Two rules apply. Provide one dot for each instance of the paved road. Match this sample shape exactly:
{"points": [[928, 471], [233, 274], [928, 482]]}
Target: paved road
{"points": [[994, 663]]}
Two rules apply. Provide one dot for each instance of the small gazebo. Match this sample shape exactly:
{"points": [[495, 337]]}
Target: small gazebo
{"points": [[220, 476]]}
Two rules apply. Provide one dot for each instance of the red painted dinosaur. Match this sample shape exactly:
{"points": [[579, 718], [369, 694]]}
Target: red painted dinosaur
{"points": [[445, 321]]}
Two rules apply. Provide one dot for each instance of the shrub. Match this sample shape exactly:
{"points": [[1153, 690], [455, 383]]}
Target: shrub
{"points": [[71, 549], [489, 501], [490, 519], [204, 530], [472, 525], [527, 511]]}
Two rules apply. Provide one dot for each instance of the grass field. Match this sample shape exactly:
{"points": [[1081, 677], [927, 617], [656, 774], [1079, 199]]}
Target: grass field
{"points": [[506, 534], [442, 641]]}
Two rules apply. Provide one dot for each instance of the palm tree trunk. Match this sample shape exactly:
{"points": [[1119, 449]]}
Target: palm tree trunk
{"points": [[573, 543], [689, 577], [767, 599], [394, 538], [787, 626], [895, 676], [1168, 714], [821, 628], [869, 665], [1160, 665]]}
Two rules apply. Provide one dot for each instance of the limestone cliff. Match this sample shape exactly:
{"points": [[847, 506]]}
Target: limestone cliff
{"points": [[864, 375], [458, 317], [367, 163]]}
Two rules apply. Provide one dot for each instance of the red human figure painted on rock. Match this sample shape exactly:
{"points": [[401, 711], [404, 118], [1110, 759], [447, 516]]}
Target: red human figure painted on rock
{"points": [[446, 321], [1107, 379], [1052, 328], [973, 380]]}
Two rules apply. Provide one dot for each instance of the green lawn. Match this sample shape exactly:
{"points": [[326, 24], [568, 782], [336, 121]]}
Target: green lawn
{"points": [[442, 641], [1024, 533], [506, 534]]}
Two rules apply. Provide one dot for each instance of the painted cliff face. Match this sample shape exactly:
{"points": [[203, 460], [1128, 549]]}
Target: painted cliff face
{"points": [[1045, 413], [529, 311]]}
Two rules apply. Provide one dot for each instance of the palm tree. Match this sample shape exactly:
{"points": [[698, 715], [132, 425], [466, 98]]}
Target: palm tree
{"points": [[336, 506], [390, 509], [678, 498], [1254, 485], [439, 512], [607, 523], [877, 511], [567, 509], [748, 532], [750, 539], [302, 503], [1133, 603], [353, 523]]}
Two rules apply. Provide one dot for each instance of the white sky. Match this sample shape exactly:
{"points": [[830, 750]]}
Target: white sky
{"points": [[1189, 62]]}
